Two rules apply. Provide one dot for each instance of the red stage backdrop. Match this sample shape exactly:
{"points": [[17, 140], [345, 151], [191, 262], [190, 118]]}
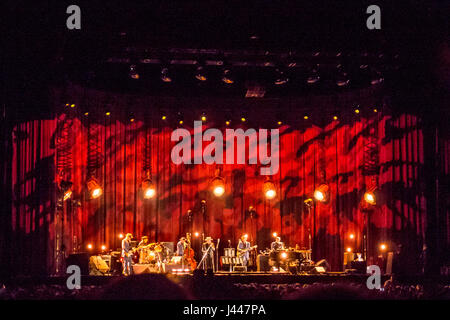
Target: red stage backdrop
{"points": [[350, 155]]}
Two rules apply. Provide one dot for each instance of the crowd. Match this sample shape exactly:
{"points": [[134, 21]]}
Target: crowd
{"points": [[157, 287]]}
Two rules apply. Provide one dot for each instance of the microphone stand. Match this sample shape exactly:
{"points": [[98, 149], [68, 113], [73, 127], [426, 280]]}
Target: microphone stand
{"points": [[217, 255]]}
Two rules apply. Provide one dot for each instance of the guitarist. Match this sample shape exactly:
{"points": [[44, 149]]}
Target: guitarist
{"points": [[243, 249], [127, 255]]}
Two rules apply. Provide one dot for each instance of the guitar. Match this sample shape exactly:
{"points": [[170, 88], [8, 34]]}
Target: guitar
{"points": [[241, 252]]}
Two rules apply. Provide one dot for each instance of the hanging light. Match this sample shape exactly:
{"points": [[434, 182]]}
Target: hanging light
{"points": [[227, 77], [133, 72], [148, 189], [281, 78], [165, 77], [321, 193], [218, 186], [200, 74], [269, 190], [66, 188], [369, 198], [94, 188]]}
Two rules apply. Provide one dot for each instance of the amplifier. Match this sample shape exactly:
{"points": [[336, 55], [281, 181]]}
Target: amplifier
{"points": [[262, 263]]}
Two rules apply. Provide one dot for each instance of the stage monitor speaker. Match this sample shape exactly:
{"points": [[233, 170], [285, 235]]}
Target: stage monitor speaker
{"points": [[262, 263], [116, 264], [81, 260]]}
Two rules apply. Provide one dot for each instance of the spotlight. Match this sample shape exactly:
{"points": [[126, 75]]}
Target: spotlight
{"points": [[283, 255], [108, 113], [356, 111], [72, 105], [243, 119], [370, 198], [203, 118], [269, 190], [306, 117], [148, 188], [66, 188], [321, 193], [165, 77], [226, 77], [281, 78], [121, 236], [279, 123], [180, 122], [218, 186], [313, 76], [86, 114], [375, 110], [274, 234], [90, 246], [349, 249], [103, 247], [200, 74], [383, 247], [227, 122], [94, 188], [196, 234], [335, 117], [351, 236], [133, 72]]}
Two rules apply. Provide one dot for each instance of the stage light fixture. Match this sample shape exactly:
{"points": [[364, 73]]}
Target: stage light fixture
{"points": [[369, 197], [72, 105], [226, 77], [133, 72], [218, 186], [349, 249], [321, 193], [283, 255], [227, 122], [383, 247], [243, 119], [94, 188], [86, 114], [313, 76], [108, 113], [281, 78], [121, 236], [103, 247], [200, 74], [66, 188], [163, 117], [356, 111], [148, 188], [335, 118], [180, 122], [203, 117], [196, 234], [279, 123], [351, 236], [165, 76], [274, 234], [375, 110], [90, 246], [306, 117], [269, 190]]}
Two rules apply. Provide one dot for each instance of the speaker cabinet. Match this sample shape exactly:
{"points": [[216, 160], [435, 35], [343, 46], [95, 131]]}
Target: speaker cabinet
{"points": [[262, 263]]}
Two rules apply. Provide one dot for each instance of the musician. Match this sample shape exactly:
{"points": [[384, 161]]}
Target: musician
{"points": [[127, 255], [208, 249], [144, 241], [244, 245], [277, 244], [181, 246]]}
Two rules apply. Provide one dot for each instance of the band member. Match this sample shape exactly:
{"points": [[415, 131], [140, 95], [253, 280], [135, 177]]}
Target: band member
{"points": [[144, 241], [244, 245], [208, 249], [127, 255], [181, 246], [144, 250], [277, 244]]}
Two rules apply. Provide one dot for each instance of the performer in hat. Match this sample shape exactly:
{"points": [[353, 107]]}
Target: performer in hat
{"points": [[208, 249], [181, 246]]}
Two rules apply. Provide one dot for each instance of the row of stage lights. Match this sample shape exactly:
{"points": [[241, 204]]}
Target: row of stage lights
{"points": [[321, 194], [243, 119]]}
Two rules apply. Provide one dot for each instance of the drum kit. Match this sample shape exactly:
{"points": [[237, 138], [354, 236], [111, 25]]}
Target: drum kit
{"points": [[153, 253]]}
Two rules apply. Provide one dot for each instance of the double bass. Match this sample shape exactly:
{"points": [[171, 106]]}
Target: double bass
{"points": [[188, 255]]}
